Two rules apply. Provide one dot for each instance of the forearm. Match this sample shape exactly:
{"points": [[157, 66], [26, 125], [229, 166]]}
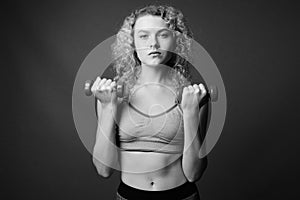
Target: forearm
{"points": [[105, 153], [193, 165]]}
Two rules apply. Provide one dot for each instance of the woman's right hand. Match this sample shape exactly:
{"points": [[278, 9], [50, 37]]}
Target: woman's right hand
{"points": [[105, 91]]}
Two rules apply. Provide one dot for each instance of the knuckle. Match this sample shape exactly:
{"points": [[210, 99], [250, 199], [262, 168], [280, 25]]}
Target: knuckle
{"points": [[101, 88]]}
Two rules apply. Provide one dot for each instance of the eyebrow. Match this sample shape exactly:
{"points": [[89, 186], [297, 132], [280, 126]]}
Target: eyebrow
{"points": [[163, 29]]}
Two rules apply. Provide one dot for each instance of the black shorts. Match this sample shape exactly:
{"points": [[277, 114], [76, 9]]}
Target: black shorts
{"points": [[186, 191]]}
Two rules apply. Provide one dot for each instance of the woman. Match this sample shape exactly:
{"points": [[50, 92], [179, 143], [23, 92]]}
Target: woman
{"points": [[158, 152]]}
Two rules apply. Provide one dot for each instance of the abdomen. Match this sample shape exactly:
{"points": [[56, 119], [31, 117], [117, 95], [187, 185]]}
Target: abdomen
{"points": [[151, 171]]}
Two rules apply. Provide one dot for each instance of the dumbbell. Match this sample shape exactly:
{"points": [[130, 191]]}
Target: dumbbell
{"points": [[212, 90], [88, 86]]}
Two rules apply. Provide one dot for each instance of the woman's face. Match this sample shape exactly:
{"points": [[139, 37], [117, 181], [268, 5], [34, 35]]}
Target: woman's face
{"points": [[153, 40]]}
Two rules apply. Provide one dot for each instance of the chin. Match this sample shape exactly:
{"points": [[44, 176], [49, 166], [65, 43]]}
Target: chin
{"points": [[152, 64], [155, 62]]}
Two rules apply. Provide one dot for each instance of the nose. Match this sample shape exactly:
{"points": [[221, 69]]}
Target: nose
{"points": [[154, 43]]}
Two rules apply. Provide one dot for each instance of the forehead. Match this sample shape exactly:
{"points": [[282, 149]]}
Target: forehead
{"points": [[150, 22]]}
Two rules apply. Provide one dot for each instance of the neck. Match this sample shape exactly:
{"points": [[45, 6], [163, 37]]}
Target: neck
{"points": [[153, 74]]}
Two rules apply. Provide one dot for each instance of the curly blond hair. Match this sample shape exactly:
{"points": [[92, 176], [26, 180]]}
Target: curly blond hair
{"points": [[126, 63]]}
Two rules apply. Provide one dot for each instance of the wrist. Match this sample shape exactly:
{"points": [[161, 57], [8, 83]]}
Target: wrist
{"points": [[108, 105], [190, 112], [109, 109]]}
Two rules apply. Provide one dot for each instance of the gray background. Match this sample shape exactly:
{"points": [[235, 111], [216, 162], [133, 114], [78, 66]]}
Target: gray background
{"points": [[254, 44]]}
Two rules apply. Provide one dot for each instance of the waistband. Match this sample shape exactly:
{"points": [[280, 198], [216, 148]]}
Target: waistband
{"points": [[183, 191], [153, 144]]}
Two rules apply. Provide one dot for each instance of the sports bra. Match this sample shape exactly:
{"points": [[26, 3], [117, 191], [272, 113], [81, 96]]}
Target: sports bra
{"points": [[138, 131]]}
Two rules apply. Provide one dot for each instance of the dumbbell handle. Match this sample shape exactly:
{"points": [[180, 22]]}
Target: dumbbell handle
{"points": [[88, 86], [212, 90]]}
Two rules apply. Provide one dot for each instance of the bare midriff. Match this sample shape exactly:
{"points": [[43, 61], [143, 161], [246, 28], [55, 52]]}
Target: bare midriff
{"points": [[151, 171]]}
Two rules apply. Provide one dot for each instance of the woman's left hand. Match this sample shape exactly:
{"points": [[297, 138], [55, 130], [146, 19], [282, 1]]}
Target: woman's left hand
{"points": [[192, 96]]}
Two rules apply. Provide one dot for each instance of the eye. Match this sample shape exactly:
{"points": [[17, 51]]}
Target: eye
{"points": [[143, 36], [164, 35]]}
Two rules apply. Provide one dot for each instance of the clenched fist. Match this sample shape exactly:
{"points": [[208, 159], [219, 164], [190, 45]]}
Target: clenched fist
{"points": [[191, 97], [105, 91]]}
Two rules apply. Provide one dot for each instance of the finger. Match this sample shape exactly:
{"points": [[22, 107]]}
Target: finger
{"points": [[191, 89], [106, 85], [185, 89], [101, 82], [196, 88], [203, 90], [95, 84], [113, 85]]}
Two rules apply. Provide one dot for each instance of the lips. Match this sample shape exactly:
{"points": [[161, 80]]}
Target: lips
{"points": [[154, 53]]}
